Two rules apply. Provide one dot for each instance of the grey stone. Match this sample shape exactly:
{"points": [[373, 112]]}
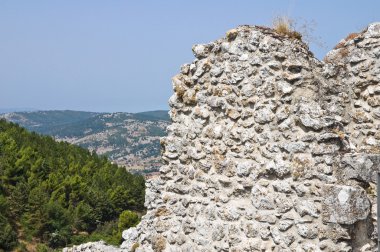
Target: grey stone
{"points": [[373, 30], [310, 122], [270, 149], [261, 199], [284, 225], [264, 115], [266, 218], [201, 51], [229, 214], [306, 207], [244, 168], [284, 87], [218, 232], [279, 167], [308, 231], [295, 147], [248, 90], [344, 204], [283, 203], [93, 246], [282, 186], [363, 167], [281, 238]]}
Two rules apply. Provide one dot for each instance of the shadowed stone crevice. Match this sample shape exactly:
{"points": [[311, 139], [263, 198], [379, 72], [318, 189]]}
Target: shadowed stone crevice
{"points": [[361, 235]]}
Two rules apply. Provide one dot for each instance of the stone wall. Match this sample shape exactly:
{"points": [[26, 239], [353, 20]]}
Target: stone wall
{"points": [[270, 149]]}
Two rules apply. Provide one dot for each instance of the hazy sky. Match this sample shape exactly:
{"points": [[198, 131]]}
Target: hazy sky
{"points": [[114, 55]]}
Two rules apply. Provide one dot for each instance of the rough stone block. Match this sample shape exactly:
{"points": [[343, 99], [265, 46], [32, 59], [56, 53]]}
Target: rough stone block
{"points": [[344, 204]]}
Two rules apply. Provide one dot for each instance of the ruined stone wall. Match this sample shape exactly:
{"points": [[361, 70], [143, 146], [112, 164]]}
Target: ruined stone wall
{"points": [[269, 149]]}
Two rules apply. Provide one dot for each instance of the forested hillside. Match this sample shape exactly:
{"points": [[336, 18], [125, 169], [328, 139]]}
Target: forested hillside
{"points": [[55, 193], [130, 140]]}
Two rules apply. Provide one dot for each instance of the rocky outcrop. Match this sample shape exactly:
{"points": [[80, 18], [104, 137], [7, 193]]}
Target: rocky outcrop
{"points": [[270, 149]]}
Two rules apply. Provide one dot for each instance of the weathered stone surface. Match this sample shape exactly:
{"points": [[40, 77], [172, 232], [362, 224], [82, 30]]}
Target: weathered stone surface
{"points": [[99, 246], [344, 204], [310, 122], [373, 30], [284, 225], [270, 149], [257, 145], [130, 236], [306, 230], [306, 207], [363, 167]]}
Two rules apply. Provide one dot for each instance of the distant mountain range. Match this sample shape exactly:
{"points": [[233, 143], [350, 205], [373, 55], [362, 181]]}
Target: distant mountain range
{"points": [[10, 110], [128, 139]]}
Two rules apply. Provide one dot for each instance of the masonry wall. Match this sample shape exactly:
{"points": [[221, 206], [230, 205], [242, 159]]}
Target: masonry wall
{"points": [[269, 149]]}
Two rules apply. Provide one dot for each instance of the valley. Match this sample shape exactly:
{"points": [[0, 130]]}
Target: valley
{"points": [[127, 139]]}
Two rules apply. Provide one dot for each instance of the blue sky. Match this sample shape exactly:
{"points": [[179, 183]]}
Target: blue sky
{"points": [[114, 55]]}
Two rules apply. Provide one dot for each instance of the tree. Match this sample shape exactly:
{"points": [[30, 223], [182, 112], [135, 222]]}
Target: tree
{"points": [[51, 190], [127, 219], [8, 236], [84, 217]]}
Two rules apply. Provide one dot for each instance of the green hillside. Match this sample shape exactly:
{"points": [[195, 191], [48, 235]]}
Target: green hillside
{"points": [[153, 115], [55, 193], [127, 139], [102, 122]]}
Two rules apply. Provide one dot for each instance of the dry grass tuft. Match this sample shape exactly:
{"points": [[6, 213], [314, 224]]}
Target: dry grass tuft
{"points": [[348, 38], [352, 36], [285, 26], [340, 45], [135, 246], [344, 52], [231, 34]]}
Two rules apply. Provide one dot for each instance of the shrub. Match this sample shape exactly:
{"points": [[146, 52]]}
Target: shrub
{"points": [[107, 232], [128, 219], [42, 248]]}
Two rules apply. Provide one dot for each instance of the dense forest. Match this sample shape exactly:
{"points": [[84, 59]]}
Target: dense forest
{"points": [[54, 194]]}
